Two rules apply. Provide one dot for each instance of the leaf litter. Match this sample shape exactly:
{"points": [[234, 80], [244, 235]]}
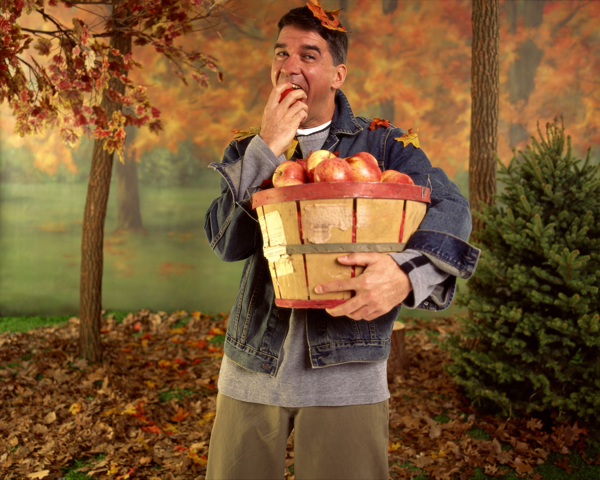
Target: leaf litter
{"points": [[146, 411]]}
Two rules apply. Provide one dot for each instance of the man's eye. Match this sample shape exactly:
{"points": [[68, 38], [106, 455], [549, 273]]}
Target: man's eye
{"points": [[281, 54]]}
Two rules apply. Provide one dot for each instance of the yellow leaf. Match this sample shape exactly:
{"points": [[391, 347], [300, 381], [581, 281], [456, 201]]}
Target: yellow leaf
{"points": [[75, 408], [291, 149], [394, 446], [169, 429], [242, 134], [130, 410], [207, 417], [410, 138]]}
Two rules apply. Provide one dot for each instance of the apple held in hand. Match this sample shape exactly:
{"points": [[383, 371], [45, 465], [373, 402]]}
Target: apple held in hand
{"points": [[288, 90], [314, 159], [333, 169], [394, 176], [364, 167], [289, 173]]}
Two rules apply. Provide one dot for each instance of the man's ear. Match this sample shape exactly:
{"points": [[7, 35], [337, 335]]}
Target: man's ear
{"points": [[340, 76]]}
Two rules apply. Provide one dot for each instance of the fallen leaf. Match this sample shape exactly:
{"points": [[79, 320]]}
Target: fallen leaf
{"points": [[49, 418], [40, 474], [521, 466]]}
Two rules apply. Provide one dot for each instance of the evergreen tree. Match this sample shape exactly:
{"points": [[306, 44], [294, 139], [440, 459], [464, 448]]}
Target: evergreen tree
{"points": [[532, 342]]}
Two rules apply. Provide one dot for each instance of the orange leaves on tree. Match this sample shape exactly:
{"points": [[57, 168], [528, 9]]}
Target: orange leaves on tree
{"points": [[75, 71], [379, 122], [410, 138], [328, 18]]}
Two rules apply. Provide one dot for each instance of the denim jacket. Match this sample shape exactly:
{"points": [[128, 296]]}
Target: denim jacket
{"points": [[257, 327]]}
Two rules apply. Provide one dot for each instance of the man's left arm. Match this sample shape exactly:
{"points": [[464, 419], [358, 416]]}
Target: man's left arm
{"points": [[440, 245]]}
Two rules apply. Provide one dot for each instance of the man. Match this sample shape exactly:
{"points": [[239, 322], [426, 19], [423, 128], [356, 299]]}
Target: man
{"points": [[320, 373]]}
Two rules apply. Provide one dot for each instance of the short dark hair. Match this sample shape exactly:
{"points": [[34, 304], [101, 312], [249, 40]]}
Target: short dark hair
{"points": [[304, 19]]}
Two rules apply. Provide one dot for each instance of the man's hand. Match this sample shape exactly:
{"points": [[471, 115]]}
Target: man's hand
{"points": [[281, 120], [380, 287]]}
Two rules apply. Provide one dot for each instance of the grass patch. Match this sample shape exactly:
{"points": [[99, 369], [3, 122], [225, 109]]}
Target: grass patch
{"points": [[167, 267], [24, 324], [479, 434], [176, 394], [72, 471]]}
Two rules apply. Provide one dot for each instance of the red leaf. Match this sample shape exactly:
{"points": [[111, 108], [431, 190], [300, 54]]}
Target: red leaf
{"points": [[379, 122], [151, 429]]}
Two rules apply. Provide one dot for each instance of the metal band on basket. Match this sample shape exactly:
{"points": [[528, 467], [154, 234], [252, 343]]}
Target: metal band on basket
{"points": [[344, 248]]}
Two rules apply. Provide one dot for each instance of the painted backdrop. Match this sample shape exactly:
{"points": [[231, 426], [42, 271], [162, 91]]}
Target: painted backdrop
{"points": [[409, 62]]}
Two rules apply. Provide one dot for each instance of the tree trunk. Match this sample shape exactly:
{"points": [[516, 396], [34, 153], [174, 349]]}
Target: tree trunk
{"points": [[129, 216], [484, 106], [92, 255]]}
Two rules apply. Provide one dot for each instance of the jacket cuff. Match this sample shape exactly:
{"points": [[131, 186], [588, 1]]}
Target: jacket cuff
{"points": [[424, 276]]}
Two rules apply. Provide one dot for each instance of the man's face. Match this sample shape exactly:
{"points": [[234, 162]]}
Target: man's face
{"points": [[302, 57]]}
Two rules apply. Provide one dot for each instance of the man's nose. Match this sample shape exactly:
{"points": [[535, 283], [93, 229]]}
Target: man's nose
{"points": [[291, 65]]}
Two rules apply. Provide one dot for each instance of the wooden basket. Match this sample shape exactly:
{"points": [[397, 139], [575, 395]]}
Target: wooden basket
{"points": [[305, 228]]}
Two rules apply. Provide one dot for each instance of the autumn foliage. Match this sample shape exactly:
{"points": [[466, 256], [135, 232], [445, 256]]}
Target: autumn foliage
{"points": [[409, 62], [147, 410], [55, 78]]}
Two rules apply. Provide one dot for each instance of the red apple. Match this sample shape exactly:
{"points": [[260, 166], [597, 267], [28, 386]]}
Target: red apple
{"points": [[394, 176], [285, 94], [333, 169], [314, 159], [364, 167], [289, 173]]}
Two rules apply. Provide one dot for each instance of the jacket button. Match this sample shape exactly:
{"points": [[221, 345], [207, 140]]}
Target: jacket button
{"points": [[266, 367]]}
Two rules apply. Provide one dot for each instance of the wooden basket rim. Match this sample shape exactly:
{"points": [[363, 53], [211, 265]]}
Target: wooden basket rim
{"points": [[320, 191]]}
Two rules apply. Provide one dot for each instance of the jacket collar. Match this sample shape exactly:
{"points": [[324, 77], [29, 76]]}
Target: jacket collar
{"points": [[343, 121]]}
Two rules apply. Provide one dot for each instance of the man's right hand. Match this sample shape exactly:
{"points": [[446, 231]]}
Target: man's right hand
{"points": [[281, 120]]}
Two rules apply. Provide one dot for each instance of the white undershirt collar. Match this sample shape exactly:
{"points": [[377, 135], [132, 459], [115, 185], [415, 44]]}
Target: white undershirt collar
{"points": [[310, 131]]}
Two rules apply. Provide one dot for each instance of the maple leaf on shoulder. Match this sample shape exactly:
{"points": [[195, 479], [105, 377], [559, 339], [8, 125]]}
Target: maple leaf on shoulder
{"points": [[379, 122], [242, 134], [410, 138]]}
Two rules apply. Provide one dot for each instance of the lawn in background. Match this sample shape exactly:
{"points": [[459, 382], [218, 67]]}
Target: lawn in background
{"points": [[169, 266]]}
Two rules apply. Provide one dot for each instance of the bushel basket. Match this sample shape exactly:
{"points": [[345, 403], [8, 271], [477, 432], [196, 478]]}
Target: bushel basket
{"points": [[305, 228]]}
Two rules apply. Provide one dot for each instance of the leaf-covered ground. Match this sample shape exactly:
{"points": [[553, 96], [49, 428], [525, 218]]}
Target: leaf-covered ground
{"points": [[146, 411]]}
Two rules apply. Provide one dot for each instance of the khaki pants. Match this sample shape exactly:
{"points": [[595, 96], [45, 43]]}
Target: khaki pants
{"points": [[249, 441]]}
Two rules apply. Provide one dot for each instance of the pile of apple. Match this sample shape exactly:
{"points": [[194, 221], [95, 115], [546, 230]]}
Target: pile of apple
{"points": [[325, 166]]}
